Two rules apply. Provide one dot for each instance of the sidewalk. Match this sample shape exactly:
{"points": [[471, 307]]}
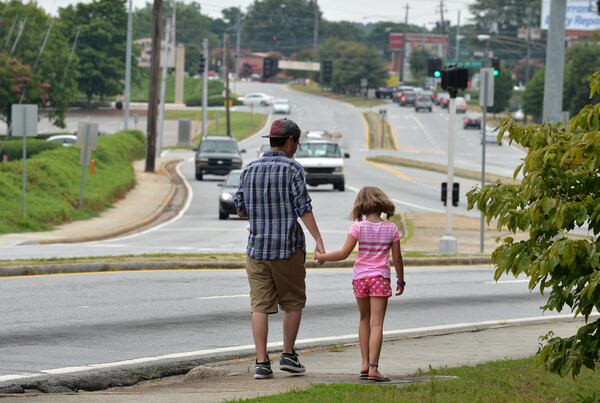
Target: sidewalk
{"points": [[142, 205], [338, 364]]}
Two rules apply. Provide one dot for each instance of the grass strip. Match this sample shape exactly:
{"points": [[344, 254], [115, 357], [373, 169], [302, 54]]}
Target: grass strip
{"points": [[498, 381], [192, 88], [375, 133], [53, 183], [430, 166], [314, 89]]}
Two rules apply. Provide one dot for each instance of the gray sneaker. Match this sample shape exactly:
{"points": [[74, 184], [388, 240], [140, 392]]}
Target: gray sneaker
{"points": [[291, 363], [262, 370]]}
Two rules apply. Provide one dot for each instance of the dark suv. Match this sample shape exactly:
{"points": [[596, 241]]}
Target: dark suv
{"points": [[217, 155]]}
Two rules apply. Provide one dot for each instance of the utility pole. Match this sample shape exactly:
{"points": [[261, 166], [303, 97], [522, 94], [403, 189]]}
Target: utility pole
{"points": [[157, 10], [443, 26], [486, 88], [163, 85], [316, 27], [237, 43], [528, 66], [404, 44], [128, 69], [205, 86], [458, 38], [225, 53], [555, 62]]}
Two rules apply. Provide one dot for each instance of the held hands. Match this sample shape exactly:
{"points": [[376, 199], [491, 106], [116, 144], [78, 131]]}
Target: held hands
{"points": [[320, 252]]}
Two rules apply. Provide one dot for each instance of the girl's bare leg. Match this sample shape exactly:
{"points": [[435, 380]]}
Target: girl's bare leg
{"points": [[364, 330], [378, 307]]}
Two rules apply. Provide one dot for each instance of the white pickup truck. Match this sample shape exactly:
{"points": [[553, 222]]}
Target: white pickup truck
{"points": [[322, 159]]}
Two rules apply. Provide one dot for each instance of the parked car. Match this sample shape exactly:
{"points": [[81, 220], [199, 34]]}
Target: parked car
{"points": [[281, 106], [491, 136], [323, 162], [257, 98], [217, 155], [227, 194], [67, 140], [472, 122], [407, 98], [461, 105], [423, 102]]}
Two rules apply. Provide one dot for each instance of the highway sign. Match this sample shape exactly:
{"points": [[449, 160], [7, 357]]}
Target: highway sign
{"points": [[465, 64]]}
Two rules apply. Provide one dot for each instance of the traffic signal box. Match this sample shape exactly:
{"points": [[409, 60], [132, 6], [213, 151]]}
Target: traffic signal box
{"points": [[434, 67], [327, 70], [454, 79], [455, 193], [496, 65], [201, 64], [269, 67]]}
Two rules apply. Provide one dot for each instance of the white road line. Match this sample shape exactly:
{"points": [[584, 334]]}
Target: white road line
{"points": [[327, 339], [508, 281], [225, 296], [404, 203], [413, 117]]}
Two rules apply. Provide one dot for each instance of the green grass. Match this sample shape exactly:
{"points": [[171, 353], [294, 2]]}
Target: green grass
{"points": [[191, 88], [500, 381], [53, 181], [314, 89], [374, 127]]}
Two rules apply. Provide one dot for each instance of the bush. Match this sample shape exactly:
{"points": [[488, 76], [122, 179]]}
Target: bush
{"points": [[215, 100], [13, 147], [53, 180]]}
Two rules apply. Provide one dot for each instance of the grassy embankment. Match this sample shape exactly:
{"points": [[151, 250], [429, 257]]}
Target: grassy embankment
{"points": [[243, 124], [53, 181], [314, 89], [376, 138], [500, 381]]}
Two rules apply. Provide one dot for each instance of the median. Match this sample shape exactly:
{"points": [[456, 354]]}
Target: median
{"points": [[379, 132]]}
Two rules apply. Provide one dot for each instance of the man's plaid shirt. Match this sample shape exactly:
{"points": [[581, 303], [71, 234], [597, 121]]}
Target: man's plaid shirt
{"points": [[273, 193]]}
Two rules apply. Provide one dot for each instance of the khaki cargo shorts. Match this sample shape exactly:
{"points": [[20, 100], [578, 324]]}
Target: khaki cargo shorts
{"points": [[277, 282]]}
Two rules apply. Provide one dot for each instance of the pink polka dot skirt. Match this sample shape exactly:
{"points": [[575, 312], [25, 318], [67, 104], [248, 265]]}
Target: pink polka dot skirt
{"points": [[372, 287]]}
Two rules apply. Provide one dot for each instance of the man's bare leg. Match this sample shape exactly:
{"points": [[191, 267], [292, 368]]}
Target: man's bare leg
{"points": [[291, 324], [260, 331]]}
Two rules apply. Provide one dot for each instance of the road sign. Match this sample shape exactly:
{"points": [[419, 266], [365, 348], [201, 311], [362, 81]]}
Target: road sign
{"points": [[86, 142], [24, 119], [465, 64], [489, 73]]}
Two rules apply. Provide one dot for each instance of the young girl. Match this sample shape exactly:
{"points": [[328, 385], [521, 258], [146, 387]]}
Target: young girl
{"points": [[371, 276]]}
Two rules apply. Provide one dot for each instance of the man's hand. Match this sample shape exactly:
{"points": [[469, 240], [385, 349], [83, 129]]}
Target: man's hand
{"points": [[242, 213], [320, 248]]}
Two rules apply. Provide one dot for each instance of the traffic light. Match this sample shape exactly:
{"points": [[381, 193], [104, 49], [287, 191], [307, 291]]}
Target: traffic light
{"points": [[434, 68], [201, 64], [269, 67], [496, 66], [327, 66], [455, 193], [454, 79]]}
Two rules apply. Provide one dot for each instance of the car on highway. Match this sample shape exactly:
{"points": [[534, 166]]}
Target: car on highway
{"points": [[472, 122], [461, 105], [281, 106], [217, 155], [384, 92], [323, 162], [491, 136], [257, 98], [423, 102], [263, 149], [399, 91], [67, 140], [227, 194], [407, 98], [443, 99]]}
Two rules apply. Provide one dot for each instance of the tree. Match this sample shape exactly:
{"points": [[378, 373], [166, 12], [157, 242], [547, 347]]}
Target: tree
{"points": [[352, 62], [100, 46], [560, 191], [280, 25], [503, 89], [505, 17], [533, 98], [49, 67], [344, 30], [418, 63], [582, 60]]}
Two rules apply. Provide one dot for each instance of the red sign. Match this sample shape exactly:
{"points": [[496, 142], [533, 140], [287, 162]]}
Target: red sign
{"points": [[396, 41]]}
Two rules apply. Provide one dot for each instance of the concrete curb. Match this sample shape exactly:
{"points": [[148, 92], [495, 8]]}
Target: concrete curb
{"points": [[104, 376], [126, 228], [26, 270]]}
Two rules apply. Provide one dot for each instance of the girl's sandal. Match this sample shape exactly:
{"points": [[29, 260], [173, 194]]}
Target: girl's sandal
{"points": [[377, 378], [364, 375]]}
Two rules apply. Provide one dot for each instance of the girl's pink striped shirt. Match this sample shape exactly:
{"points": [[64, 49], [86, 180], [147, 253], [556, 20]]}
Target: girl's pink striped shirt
{"points": [[374, 244]]}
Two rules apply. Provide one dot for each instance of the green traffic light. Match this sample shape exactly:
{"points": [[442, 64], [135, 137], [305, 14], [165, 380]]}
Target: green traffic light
{"points": [[496, 73], [437, 74]]}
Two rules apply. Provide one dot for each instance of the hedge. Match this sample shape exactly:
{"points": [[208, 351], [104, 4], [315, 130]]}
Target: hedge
{"points": [[13, 147]]}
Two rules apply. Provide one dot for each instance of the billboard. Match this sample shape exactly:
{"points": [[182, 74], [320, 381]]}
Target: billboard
{"points": [[581, 15]]}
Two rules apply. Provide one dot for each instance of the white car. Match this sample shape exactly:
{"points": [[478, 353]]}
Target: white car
{"points": [[491, 136], [461, 105], [257, 98], [323, 162], [281, 106], [67, 140]]}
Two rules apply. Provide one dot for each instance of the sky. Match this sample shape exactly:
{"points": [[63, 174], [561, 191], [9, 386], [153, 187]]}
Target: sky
{"points": [[420, 12]]}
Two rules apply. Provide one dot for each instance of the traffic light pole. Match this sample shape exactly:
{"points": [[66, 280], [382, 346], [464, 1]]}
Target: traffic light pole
{"points": [[227, 114], [204, 86], [448, 243]]}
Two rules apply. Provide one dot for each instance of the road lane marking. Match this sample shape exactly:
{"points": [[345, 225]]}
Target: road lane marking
{"points": [[418, 122], [403, 203], [367, 136], [249, 348], [225, 296], [500, 282], [394, 137], [389, 169]]}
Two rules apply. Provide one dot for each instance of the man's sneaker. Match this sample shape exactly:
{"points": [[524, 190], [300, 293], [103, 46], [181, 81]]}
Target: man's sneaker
{"points": [[291, 363], [262, 370]]}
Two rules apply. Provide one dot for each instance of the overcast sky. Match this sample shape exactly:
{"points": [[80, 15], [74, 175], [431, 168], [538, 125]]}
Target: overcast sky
{"points": [[421, 12]]}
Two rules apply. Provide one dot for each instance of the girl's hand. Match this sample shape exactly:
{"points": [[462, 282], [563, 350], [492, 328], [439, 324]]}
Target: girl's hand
{"points": [[399, 289], [319, 257]]}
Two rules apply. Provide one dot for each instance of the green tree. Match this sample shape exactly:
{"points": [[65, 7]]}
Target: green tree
{"points": [[49, 67], [280, 25], [533, 97], [505, 17], [582, 60], [560, 191], [344, 30], [418, 63], [503, 90], [352, 62], [100, 46]]}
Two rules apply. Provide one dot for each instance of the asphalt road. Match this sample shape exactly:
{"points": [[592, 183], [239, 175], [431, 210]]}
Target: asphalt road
{"points": [[421, 136], [52, 322]]}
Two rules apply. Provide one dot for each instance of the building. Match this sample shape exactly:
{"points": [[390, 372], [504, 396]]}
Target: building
{"points": [[145, 44], [401, 50]]}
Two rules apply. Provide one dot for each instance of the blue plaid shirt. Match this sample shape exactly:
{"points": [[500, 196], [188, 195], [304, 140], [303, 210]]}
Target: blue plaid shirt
{"points": [[273, 193]]}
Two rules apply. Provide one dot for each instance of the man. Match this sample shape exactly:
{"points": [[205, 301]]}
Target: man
{"points": [[272, 194]]}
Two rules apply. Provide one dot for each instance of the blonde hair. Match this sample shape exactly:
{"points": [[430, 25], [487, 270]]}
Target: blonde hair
{"points": [[370, 200]]}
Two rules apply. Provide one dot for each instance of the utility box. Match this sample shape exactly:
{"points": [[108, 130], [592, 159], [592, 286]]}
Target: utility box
{"points": [[184, 133]]}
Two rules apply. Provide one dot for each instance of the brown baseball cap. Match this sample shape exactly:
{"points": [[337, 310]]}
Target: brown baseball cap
{"points": [[284, 128]]}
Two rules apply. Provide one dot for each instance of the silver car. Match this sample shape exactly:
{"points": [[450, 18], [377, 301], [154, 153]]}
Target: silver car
{"points": [[281, 106], [423, 102]]}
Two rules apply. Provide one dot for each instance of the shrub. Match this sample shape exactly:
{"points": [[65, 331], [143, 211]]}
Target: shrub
{"points": [[12, 147]]}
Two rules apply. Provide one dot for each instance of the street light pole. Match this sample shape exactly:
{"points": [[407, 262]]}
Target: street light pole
{"points": [[486, 38], [128, 69], [555, 62]]}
